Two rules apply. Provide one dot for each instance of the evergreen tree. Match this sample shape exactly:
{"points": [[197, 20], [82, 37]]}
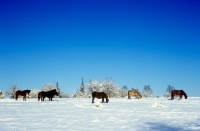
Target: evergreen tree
{"points": [[82, 88]]}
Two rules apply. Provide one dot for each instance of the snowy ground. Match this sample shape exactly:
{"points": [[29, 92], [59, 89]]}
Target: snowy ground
{"points": [[158, 114]]}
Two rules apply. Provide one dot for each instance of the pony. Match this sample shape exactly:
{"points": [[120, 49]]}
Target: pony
{"points": [[178, 93], [134, 93], [99, 95], [22, 93], [50, 94]]}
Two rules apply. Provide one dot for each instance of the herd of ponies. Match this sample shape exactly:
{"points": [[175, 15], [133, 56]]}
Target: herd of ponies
{"points": [[100, 95]]}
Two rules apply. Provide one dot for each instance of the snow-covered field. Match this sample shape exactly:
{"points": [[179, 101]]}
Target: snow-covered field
{"points": [[158, 114]]}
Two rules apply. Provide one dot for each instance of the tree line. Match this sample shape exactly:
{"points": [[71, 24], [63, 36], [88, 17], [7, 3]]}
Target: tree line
{"points": [[108, 86], [112, 90]]}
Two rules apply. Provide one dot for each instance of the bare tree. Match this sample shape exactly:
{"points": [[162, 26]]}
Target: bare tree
{"points": [[125, 87], [11, 91], [168, 91], [147, 91]]}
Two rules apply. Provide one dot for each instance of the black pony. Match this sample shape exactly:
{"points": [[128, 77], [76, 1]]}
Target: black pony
{"points": [[50, 94], [99, 95]]}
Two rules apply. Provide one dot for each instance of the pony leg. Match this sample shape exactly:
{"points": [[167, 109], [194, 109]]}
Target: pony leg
{"points": [[24, 98], [172, 97], [92, 99], [102, 99], [180, 96], [129, 97]]}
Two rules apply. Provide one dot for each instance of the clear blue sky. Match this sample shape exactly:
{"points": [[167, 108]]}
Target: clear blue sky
{"points": [[134, 42]]}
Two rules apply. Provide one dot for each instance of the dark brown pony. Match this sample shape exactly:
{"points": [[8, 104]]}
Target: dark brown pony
{"points": [[50, 94], [178, 93], [22, 93], [99, 95]]}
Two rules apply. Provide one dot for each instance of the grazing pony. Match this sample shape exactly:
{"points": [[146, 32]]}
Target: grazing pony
{"points": [[22, 93], [178, 93], [134, 93], [99, 95], [50, 94]]}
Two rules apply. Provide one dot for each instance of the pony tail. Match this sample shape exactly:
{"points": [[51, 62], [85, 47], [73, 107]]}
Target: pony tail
{"points": [[38, 96], [15, 96]]}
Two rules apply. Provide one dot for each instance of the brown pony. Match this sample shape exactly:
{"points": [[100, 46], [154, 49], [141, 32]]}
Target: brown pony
{"points": [[22, 93], [99, 95], [178, 93], [134, 93], [50, 94]]}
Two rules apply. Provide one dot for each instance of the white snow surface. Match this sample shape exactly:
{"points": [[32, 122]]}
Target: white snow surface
{"points": [[155, 114]]}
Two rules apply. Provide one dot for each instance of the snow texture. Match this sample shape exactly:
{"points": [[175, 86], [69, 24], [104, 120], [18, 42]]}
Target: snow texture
{"points": [[146, 114]]}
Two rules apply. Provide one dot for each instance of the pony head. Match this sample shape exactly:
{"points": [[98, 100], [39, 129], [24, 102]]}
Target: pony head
{"points": [[140, 95], [56, 93]]}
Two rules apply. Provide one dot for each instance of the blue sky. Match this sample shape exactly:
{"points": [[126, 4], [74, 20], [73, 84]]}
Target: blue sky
{"points": [[134, 42]]}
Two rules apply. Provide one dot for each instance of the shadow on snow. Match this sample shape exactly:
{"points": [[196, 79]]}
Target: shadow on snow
{"points": [[164, 127]]}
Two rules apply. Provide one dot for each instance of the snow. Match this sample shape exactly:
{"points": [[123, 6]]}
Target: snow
{"points": [[119, 114]]}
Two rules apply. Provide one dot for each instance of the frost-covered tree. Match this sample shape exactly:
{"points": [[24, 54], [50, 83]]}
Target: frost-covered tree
{"points": [[75, 94], [122, 92], [2, 96], [80, 93], [107, 86], [11, 91], [110, 88], [64, 95], [147, 91], [94, 86], [34, 93], [48, 87], [168, 91]]}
